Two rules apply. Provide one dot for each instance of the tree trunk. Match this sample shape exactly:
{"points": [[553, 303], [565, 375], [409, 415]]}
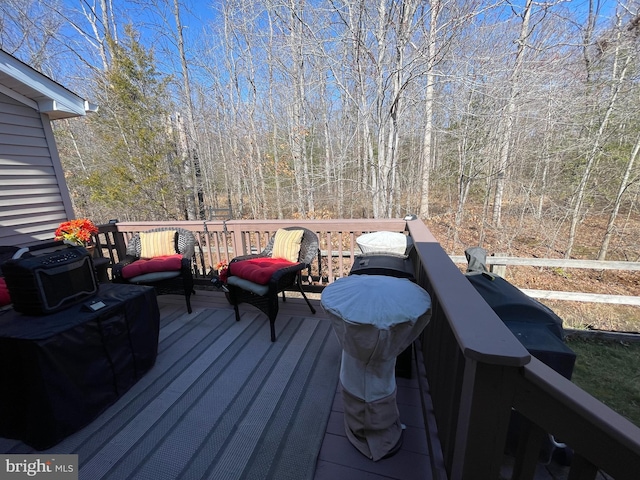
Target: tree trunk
{"points": [[508, 118], [191, 142], [624, 184], [427, 142], [187, 169], [297, 127], [593, 153]]}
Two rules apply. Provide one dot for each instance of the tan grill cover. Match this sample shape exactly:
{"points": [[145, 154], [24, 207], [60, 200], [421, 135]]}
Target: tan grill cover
{"points": [[375, 318]]}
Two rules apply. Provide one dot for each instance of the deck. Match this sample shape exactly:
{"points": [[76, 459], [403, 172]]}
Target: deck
{"points": [[125, 441], [337, 458], [477, 371]]}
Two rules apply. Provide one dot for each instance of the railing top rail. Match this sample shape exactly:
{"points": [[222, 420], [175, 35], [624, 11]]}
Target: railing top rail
{"points": [[596, 432], [482, 336], [344, 224], [332, 224], [577, 400], [337, 225], [193, 225]]}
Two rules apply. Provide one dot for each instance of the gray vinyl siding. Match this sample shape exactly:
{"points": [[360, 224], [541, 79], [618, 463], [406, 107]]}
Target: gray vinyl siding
{"points": [[33, 195]]}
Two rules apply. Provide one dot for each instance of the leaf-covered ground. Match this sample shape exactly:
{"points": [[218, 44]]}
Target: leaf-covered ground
{"points": [[541, 238]]}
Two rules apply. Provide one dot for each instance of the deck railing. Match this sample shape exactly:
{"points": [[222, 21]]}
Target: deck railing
{"points": [[477, 371], [223, 240]]}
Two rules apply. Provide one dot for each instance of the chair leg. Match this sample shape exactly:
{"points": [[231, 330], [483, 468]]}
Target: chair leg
{"points": [[232, 299], [313, 310], [272, 325], [272, 314], [188, 297]]}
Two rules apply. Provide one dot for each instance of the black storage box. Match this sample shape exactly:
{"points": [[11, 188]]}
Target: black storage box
{"points": [[61, 371], [48, 278]]}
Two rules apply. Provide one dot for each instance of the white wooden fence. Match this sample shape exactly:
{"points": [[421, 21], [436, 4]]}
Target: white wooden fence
{"points": [[498, 264]]}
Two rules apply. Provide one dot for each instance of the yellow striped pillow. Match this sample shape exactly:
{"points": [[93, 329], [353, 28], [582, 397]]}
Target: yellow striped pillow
{"points": [[287, 244], [156, 244]]}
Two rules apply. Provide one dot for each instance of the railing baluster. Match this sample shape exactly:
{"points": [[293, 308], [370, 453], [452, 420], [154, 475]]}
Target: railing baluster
{"points": [[530, 439], [582, 469], [330, 277]]}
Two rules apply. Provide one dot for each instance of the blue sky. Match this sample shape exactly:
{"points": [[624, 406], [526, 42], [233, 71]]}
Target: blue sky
{"points": [[196, 16]]}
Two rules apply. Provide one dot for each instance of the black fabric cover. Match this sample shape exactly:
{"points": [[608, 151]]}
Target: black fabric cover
{"points": [[6, 253], [59, 372], [511, 305], [545, 346]]}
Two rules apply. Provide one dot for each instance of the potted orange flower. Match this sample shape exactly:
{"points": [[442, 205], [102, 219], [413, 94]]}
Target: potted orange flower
{"points": [[221, 267], [76, 232]]}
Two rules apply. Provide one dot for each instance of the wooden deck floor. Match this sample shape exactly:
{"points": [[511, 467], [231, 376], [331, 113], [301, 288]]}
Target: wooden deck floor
{"points": [[338, 459], [419, 457]]}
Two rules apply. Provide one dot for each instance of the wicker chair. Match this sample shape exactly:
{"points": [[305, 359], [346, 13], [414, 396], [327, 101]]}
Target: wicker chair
{"points": [[165, 282], [265, 297]]}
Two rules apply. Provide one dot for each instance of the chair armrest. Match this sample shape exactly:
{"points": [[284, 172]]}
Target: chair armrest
{"points": [[248, 257], [284, 277], [116, 270]]}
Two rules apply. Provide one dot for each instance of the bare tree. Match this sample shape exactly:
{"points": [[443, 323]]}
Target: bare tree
{"points": [[507, 119], [191, 157], [624, 185], [618, 74], [427, 141]]}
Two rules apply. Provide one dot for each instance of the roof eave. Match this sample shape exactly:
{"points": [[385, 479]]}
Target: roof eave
{"points": [[52, 99]]}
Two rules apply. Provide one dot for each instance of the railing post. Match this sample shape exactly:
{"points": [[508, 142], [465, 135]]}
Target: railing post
{"points": [[120, 244], [483, 420], [498, 268]]}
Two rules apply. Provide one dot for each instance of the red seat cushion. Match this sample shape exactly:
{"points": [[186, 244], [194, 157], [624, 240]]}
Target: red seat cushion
{"points": [[166, 263], [5, 299], [258, 270]]}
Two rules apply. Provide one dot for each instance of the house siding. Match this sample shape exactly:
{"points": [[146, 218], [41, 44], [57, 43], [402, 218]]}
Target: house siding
{"points": [[33, 195]]}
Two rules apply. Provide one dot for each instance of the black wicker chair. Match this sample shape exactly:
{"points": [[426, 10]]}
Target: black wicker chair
{"points": [[265, 297], [165, 282]]}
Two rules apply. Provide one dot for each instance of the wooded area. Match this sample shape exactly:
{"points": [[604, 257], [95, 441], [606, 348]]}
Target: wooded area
{"points": [[526, 111]]}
